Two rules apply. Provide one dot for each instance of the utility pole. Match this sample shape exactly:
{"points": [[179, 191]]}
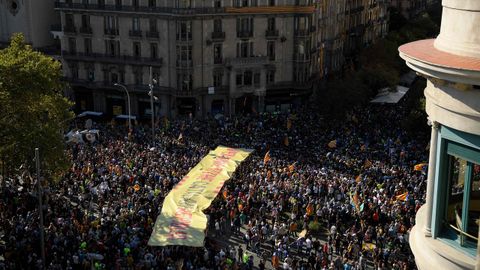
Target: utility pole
{"points": [[151, 106], [40, 207]]}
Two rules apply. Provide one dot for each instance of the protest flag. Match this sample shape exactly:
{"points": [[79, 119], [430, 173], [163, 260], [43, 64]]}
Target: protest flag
{"points": [[358, 179], [368, 163], [267, 158], [289, 123], [291, 167], [402, 197], [420, 167], [332, 144]]}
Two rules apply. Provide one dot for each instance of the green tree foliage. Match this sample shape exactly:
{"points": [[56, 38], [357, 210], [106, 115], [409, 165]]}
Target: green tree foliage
{"points": [[33, 110]]}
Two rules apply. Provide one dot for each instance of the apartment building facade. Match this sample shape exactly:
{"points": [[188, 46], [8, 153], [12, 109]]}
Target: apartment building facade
{"points": [[411, 8], [206, 57], [33, 18]]}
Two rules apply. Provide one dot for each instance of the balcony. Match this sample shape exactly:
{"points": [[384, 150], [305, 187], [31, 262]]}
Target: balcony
{"points": [[218, 36], [247, 61], [126, 8], [302, 33], [69, 29], [86, 30], [153, 34], [313, 29], [184, 64], [135, 33], [218, 60], [111, 32], [245, 34], [113, 59], [56, 28], [271, 33]]}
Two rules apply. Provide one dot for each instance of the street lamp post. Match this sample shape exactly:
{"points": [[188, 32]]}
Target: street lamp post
{"points": [[128, 100]]}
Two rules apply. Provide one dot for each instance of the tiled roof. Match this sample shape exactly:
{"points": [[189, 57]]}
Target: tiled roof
{"points": [[424, 51]]}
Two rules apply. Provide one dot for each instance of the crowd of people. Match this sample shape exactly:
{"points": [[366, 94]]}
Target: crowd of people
{"points": [[328, 195]]}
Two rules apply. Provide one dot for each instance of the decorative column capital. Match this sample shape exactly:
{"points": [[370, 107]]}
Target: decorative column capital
{"points": [[433, 124]]}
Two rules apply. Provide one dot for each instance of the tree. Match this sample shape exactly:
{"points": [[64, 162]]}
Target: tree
{"points": [[33, 110]]}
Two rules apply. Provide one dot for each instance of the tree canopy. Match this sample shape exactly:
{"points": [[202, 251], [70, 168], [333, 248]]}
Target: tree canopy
{"points": [[33, 109]]}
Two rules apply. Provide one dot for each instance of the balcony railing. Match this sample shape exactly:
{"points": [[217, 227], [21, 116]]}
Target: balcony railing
{"points": [[271, 33], [152, 34], [135, 33], [302, 32], [184, 64], [218, 60], [86, 30], [245, 34], [247, 61], [126, 8], [111, 32], [218, 35], [114, 59], [56, 27], [69, 29]]}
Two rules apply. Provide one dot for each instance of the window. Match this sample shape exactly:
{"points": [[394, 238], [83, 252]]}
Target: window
{"points": [[184, 3], [85, 21], [271, 50], [74, 70], [69, 20], [112, 47], [88, 46], [245, 3], [457, 193], [239, 79], [152, 3], [247, 78], [244, 27], [271, 3], [184, 81], [184, 30], [135, 3], [245, 49], [72, 45], [91, 74], [270, 76], [137, 51], [137, 74], [271, 24], [153, 50], [217, 79], [136, 24], [217, 25], [184, 55], [153, 25], [111, 22], [218, 4], [217, 54], [256, 79], [463, 192]]}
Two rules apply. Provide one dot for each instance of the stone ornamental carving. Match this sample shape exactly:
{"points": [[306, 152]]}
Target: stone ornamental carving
{"points": [[13, 6]]}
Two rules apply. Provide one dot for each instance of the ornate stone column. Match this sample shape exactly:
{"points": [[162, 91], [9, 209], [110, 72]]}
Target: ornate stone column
{"points": [[431, 178]]}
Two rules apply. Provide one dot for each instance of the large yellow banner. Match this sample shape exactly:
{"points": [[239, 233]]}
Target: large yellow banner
{"points": [[182, 221]]}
